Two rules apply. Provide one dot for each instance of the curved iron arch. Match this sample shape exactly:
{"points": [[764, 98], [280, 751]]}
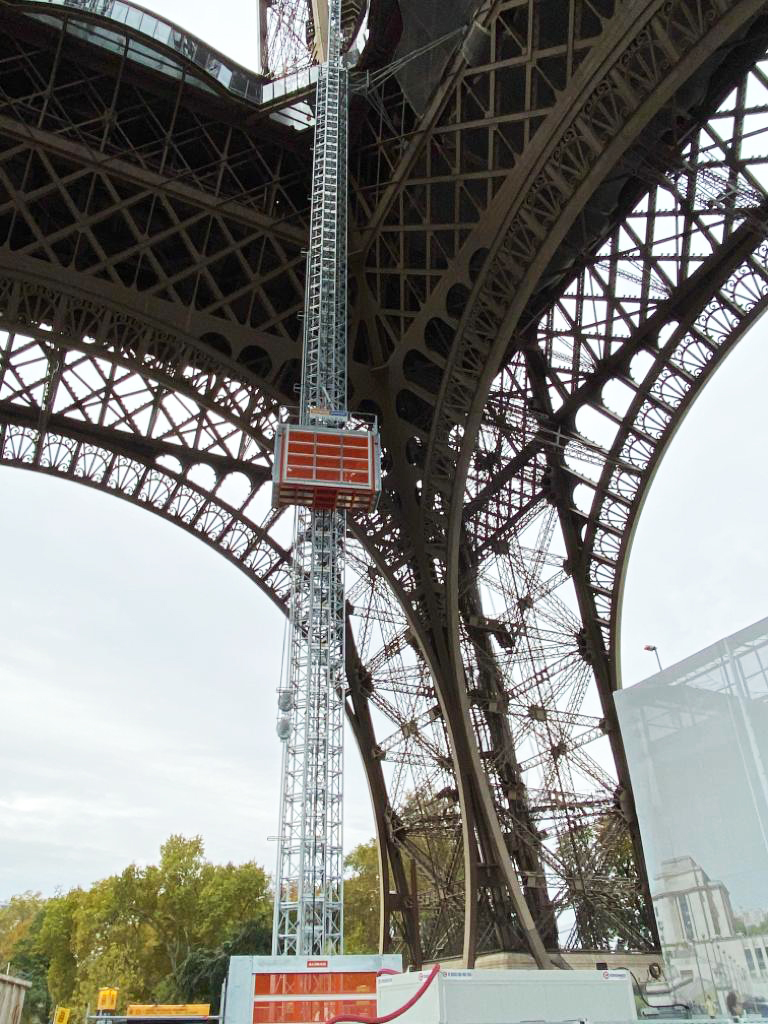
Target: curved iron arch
{"points": [[167, 494], [528, 410], [598, 133], [118, 403], [69, 326], [479, 633], [682, 367], [124, 403]]}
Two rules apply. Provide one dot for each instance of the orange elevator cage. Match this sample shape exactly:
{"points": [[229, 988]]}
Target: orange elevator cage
{"points": [[326, 468], [292, 998], [298, 989]]}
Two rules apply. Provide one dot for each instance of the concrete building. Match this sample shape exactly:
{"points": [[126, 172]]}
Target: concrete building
{"points": [[706, 950]]}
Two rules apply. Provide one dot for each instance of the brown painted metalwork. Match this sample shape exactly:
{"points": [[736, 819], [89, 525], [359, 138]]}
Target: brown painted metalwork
{"points": [[549, 261]]}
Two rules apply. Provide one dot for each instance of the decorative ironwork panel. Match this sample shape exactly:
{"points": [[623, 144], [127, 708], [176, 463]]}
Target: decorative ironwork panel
{"points": [[548, 263]]}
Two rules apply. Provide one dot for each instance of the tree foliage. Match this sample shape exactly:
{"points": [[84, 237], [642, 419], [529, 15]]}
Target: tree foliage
{"points": [[136, 930], [361, 899], [160, 933], [201, 975], [21, 920], [17, 917]]}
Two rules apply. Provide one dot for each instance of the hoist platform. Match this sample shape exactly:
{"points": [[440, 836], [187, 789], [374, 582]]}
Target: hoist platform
{"points": [[303, 990], [326, 468]]}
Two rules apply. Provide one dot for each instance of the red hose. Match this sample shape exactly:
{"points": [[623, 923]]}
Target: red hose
{"points": [[395, 1013]]}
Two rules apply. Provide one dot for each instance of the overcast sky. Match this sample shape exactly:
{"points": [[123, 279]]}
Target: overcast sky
{"points": [[138, 669], [138, 672], [698, 569]]}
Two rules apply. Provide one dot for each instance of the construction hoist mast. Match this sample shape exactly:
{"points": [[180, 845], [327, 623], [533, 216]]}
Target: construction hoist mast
{"points": [[324, 465]]}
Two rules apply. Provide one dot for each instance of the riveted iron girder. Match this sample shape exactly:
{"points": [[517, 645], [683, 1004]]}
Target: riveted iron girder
{"points": [[537, 297]]}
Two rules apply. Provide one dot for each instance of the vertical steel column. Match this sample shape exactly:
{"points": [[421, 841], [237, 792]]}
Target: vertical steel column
{"points": [[308, 899]]}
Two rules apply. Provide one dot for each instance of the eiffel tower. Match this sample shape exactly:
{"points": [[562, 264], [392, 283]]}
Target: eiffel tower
{"points": [[557, 231]]}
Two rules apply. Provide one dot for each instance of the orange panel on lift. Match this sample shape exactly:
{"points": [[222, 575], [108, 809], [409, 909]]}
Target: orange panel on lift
{"points": [[326, 468], [295, 998], [298, 989], [305, 1011], [291, 983]]}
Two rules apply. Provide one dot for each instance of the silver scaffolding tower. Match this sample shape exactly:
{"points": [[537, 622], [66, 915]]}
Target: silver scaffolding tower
{"points": [[308, 916]]}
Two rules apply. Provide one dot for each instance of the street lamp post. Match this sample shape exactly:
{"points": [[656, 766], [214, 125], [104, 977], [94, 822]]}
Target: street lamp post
{"points": [[650, 647]]}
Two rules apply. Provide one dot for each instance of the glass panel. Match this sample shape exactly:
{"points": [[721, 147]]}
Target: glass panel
{"points": [[696, 737], [134, 18], [237, 80], [163, 33]]}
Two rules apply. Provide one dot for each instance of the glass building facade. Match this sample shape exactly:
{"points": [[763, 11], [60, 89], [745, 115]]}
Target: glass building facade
{"points": [[696, 737]]}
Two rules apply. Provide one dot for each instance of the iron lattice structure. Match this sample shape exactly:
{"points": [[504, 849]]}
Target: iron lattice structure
{"points": [[549, 259], [291, 39], [288, 36], [309, 909]]}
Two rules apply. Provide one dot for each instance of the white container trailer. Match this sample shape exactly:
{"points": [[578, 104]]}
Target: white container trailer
{"points": [[510, 997], [12, 992]]}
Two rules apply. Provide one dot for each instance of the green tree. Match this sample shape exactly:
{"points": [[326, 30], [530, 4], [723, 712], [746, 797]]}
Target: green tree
{"points": [[201, 975], [55, 942], [112, 945], [16, 918], [136, 930], [29, 963], [361, 899], [235, 901]]}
